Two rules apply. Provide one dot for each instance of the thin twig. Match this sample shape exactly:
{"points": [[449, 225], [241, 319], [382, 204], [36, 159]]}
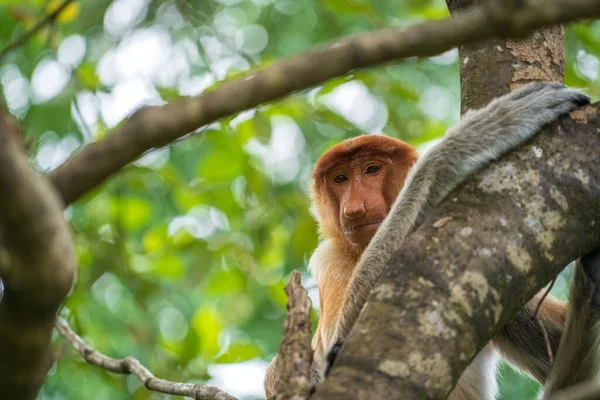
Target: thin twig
{"points": [[546, 293], [541, 323], [48, 19], [130, 365]]}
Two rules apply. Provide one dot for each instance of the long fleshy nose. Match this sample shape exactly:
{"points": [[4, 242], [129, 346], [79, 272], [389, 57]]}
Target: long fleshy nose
{"points": [[355, 209]]}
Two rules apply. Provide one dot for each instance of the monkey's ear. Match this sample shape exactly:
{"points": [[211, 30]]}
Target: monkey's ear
{"points": [[332, 355]]}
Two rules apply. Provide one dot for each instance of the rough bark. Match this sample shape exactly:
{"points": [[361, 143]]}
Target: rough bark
{"points": [[36, 266], [295, 353], [491, 68], [487, 249]]}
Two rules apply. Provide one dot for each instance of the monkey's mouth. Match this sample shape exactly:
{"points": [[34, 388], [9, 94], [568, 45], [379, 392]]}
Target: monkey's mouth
{"points": [[363, 226]]}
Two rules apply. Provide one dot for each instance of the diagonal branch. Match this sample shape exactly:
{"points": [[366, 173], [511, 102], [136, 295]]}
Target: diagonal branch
{"points": [[48, 19], [159, 125], [130, 365]]}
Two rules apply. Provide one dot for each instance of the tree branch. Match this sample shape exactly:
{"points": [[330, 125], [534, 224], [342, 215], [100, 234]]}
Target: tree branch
{"points": [[131, 365], [295, 353], [157, 126], [36, 267], [48, 19]]}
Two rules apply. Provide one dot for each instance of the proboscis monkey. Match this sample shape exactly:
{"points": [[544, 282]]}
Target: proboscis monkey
{"points": [[370, 192]]}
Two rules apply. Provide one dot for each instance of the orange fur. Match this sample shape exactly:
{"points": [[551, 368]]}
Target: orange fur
{"points": [[333, 267], [333, 263]]}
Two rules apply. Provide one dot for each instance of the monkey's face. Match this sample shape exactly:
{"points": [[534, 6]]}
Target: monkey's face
{"points": [[355, 184], [359, 188]]}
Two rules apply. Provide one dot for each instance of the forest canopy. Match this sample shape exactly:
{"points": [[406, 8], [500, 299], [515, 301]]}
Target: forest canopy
{"points": [[182, 256]]}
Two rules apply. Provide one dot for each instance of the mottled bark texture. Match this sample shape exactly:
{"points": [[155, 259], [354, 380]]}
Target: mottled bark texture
{"points": [[490, 246], [36, 267]]}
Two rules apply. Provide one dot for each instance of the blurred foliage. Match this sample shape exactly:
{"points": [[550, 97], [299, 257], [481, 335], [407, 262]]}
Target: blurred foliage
{"points": [[183, 255]]}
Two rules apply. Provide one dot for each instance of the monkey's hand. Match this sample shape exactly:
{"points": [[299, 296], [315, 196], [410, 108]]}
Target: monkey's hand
{"points": [[520, 114]]}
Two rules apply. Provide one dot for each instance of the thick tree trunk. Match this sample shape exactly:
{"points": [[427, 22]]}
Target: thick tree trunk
{"points": [[492, 68]]}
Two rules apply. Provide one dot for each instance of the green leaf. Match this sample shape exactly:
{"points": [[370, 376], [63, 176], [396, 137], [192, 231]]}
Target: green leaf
{"points": [[223, 165], [86, 73], [277, 293], [133, 212], [169, 94], [349, 6], [305, 239], [329, 86], [226, 282], [186, 198], [239, 352], [208, 325], [168, 265], [155, 238]]}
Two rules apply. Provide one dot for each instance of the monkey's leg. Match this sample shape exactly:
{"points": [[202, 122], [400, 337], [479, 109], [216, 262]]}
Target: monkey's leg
{"points": [[523, 344], [522, 341], [577, 359]]}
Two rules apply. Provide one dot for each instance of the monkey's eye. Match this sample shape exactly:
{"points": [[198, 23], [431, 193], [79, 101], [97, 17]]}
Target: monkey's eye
{"points": [[373, 169], [340, 178]]}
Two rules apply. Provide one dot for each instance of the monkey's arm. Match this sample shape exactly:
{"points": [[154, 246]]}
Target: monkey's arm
{"points": [[575, 326], [481, 137]]}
